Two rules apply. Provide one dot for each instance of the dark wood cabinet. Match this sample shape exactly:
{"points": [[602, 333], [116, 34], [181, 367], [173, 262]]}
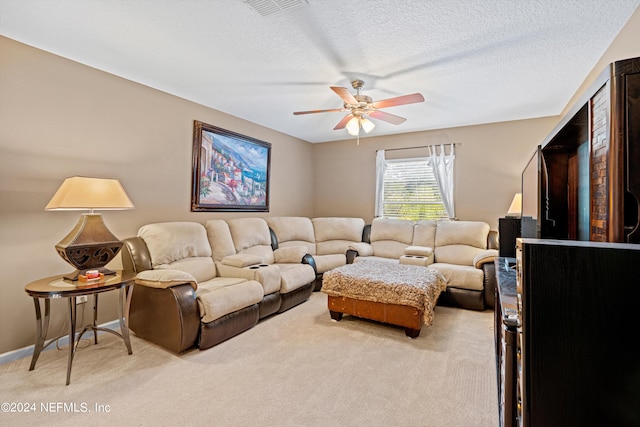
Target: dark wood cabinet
{"points": [[589, 168], [508, 231], [577, 305]]}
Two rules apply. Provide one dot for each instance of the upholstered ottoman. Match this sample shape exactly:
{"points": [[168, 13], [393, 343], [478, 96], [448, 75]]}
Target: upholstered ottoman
{"points": [[402, 295]]}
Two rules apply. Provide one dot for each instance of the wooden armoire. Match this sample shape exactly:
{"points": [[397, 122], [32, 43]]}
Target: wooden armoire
{"points": [[589, 185]]}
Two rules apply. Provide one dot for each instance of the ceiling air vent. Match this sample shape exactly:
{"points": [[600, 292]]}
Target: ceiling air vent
{"points": [[270, 7]]}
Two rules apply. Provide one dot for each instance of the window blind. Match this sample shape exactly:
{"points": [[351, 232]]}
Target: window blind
{"points": [[411, 191]]}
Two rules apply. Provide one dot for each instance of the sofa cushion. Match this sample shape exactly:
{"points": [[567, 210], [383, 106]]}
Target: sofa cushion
{"points": [[424, 233], [295, 276], [471, 233], [172, 241], [219, 238], [390, 237], [398, 230], [221, 296], [252, 236], [202, 268], [458, 242], [293, 231], [334, 234]]}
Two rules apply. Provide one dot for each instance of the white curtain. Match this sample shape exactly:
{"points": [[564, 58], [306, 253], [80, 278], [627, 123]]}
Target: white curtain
{"points": [[381, 167], [442, 165]]}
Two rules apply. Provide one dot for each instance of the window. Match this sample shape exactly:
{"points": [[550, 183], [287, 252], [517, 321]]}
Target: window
{"points": [[410, 191]]}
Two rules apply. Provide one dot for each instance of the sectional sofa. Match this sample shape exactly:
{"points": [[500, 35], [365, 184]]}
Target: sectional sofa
{"points": [[463, 251], [199, 284]]}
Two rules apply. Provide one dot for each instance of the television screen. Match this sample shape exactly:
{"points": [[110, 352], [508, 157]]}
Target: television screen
{"points": [[531, 186], [531, 182]]}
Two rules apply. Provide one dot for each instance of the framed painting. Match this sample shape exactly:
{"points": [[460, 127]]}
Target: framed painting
{"points": [[230, 171]]}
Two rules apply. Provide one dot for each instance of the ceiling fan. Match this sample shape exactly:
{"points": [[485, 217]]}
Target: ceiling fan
{"points": [[361, 107]]}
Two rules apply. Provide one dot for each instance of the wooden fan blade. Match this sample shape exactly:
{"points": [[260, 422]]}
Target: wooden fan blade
{"points": [[391, 118], [343, 123], [318, 111], [344, 93], [400, 100]]}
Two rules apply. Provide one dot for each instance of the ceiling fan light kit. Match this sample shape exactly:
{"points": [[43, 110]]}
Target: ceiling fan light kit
{"points": [[361, 107]]}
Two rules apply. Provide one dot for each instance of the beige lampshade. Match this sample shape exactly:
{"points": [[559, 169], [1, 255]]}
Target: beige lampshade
{"points": [[516, 205], [90, 245], [82, 193]]}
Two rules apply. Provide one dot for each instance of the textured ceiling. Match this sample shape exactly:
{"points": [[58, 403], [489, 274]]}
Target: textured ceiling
{"points": [[475, 61]]}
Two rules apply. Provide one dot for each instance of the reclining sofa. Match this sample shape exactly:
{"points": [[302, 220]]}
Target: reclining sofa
{"points": [[327, 239], [463, 251], [198, 285]]}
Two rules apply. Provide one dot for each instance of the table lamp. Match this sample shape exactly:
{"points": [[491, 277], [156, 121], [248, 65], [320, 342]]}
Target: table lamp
{"points": [[90, 245], [515, 209]]}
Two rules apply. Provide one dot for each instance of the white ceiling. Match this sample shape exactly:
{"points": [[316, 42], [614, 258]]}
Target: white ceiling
{"points": [[475, 61]]}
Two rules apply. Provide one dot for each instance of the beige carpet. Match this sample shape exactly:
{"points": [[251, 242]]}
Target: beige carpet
{"points": [[297, 368]]}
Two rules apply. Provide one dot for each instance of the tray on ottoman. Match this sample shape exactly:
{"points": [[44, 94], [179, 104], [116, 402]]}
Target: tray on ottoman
{"points": [[402, 295]]}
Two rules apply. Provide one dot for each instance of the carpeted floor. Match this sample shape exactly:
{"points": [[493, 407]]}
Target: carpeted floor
{"points": [[297, 368]]}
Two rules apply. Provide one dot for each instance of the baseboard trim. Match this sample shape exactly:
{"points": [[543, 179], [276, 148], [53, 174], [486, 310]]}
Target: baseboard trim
{"points": [[10, 356]]}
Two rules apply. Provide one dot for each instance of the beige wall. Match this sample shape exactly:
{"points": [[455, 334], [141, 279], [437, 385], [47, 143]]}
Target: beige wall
{"points": [[488, 168], [59, 118]]}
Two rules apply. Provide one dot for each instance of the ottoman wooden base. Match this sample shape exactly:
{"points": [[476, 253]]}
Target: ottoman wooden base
{"points": [[405, 316]]}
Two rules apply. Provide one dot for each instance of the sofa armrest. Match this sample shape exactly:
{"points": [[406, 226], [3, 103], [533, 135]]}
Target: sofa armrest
{"points": [[242, 260], [485, 257], [309, 259], [493, 241], [490, 284], [268, 275], [167, 317], [424, 251], [290, 254], [361, 248], [135, 255], [165, 278]]}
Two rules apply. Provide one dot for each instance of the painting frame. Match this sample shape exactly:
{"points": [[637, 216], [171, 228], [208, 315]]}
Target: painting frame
{"points": [[231, 172]]}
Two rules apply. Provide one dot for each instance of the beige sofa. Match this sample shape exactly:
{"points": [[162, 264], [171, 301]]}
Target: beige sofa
{"points": [[463, 251], [199, 285], [327, 239]]}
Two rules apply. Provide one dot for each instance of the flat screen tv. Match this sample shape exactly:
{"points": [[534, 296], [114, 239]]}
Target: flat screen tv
{"points": [[531, 195]]}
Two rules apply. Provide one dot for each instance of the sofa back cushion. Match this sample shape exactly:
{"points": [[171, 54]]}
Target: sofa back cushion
{"points": [[252, 236], [220, 239], [179, 246], [293, 231], [333, 235], [458, 242], [424, 234], [390, 237]]}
